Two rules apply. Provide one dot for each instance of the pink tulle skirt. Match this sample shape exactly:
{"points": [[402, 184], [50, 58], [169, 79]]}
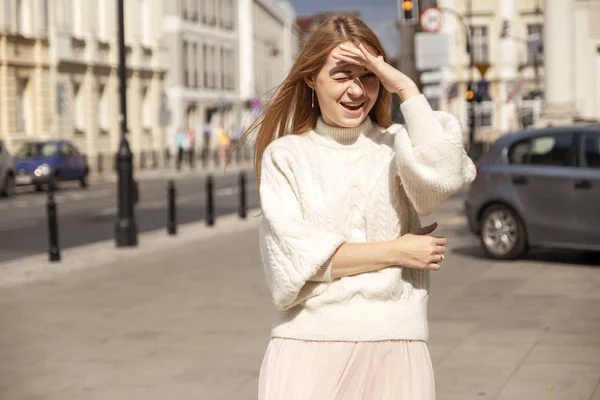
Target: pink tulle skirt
{"points": [[317, 370]]}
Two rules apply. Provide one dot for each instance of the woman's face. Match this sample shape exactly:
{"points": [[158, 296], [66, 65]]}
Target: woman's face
{"points": [[346, 92]]}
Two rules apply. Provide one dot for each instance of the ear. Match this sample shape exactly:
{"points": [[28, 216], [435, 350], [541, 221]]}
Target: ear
{"points": [[310, 81]]}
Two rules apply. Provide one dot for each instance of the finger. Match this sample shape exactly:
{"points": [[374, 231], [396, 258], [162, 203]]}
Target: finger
{"points": [[365, 51], [440, 249], [346, 59], [425, 230], [433, 266], [352, 50], [440, 241], [435, 258]]}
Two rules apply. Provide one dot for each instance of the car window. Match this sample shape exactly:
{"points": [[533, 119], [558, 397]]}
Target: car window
{"points": [[65, 150], [37, 150], [552, 150], [519, 153], [591, 150]]}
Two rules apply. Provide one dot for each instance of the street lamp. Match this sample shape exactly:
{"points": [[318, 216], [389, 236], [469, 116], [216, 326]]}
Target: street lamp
{"points": [[125, 226]]}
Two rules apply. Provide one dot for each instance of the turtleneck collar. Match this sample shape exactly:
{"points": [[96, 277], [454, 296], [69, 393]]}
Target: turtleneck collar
{"points": [[343, 137]]}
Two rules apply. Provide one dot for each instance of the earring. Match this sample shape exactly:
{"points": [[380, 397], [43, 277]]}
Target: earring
{"points": [[313, 98]]}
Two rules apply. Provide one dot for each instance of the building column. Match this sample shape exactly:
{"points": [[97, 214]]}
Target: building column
{"points": [[559, 53], [507, 68], [246, 46]]}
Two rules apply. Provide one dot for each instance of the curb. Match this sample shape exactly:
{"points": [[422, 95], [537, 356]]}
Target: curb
{"points": [[37, 267], [172, 173]]}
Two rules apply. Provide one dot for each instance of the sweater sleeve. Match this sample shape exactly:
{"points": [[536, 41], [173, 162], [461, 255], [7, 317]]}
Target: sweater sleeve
{"points": [[295, 253], [432, 162]]}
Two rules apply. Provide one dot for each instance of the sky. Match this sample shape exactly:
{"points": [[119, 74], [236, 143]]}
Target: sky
{"points": [[380, 15]]}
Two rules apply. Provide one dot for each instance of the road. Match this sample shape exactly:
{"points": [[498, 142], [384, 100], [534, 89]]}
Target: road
{"points": [[88, 215], [189, 318]]}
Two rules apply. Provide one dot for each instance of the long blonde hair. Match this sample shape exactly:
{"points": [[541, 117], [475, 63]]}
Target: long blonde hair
{"points": [[290, 109]]}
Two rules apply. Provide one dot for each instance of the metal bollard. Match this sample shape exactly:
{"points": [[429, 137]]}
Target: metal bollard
{"points": [[172, 217], [53, 249], [210, 210], [242, 208]]}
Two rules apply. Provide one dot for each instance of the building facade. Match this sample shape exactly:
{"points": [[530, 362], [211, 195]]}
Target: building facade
{"points": [[269, 44], [506, 44], [202, 38], [59, 76], [543, 61]]}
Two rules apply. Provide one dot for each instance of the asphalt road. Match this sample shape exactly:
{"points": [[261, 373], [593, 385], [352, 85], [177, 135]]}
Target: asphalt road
{"points": [[88, 215]]}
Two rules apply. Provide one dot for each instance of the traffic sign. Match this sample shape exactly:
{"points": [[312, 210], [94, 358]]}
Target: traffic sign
{"points": [[431, 19]]}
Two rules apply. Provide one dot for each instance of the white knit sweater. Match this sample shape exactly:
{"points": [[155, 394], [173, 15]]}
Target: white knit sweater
{"points": [[364, 184]]}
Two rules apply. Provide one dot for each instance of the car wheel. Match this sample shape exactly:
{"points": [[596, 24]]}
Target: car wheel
{"points": [[83, 182], [502, 233], [9, 186]]}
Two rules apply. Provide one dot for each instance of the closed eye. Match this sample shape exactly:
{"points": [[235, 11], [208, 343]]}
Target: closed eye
{"points": [[369, 75]]}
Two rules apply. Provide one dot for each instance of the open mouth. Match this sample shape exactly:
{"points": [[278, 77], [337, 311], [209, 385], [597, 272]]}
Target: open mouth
{"points": [[352, 106]]}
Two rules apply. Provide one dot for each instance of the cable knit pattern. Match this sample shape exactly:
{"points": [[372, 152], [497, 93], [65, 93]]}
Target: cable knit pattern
{"points": [[365, 184]]}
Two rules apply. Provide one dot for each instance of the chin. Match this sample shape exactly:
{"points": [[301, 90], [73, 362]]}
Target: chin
{"points": [[351, 122]]}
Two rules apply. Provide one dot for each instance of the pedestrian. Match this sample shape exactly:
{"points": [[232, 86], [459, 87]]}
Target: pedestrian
{"points": [[207, 132], [181, 144], [191, 139], [224, 143], [341, 189]]}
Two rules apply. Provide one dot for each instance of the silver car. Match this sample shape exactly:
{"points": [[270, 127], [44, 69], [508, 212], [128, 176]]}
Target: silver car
{"points": [[7, 172], [538, 188]]}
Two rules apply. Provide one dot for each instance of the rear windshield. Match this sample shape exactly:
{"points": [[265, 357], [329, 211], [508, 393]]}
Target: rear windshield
{"points": [[38, 150]]}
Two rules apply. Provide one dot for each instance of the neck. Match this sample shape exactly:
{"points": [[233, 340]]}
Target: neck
{"points": [[341, 135]]}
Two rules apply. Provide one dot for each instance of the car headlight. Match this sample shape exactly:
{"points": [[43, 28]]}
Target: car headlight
{"points": [[42, 170]]}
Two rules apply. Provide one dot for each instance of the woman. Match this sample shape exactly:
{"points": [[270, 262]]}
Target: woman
{"points": [[341, 188]]}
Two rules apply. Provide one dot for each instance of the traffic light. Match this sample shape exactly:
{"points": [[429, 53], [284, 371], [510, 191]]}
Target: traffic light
{"points": [[408, 10], [470, 95]]}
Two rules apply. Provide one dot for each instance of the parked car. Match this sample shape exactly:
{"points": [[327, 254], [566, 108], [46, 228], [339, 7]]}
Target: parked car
{"points": [[538, 188], [49, 162], [7, 172]]}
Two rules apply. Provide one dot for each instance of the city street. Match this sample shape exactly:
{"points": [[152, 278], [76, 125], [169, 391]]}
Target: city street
{"points": [[189, 317], [88, 215]]}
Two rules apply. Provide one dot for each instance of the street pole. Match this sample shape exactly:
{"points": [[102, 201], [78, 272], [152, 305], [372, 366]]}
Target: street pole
{"points": [[125, 227], [472, 114]]}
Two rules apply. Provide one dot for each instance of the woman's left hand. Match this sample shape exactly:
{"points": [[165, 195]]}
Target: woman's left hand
{"points": [[392, 80]]}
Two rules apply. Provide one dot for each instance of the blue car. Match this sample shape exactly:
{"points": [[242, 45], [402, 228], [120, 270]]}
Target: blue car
{"points": [[49, 162]]}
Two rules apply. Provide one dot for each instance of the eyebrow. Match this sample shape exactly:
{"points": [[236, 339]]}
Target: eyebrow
{"points": [[344, 71]]}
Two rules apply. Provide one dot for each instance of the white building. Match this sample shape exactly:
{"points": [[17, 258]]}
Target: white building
{"points": [[269, 44], [202, 38], [59, 75], [567, 71], [514, 73], [224, 54]]}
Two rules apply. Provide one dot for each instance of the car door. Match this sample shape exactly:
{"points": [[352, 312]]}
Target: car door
{"points": [[67, 162], [79, 163], [541, 176], [586, 191]]}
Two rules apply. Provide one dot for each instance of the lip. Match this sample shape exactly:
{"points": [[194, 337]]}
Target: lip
{"points": [[354, 113]]}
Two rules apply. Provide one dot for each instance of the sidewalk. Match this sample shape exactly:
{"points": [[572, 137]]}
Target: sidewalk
{"points": [[170, 173], [188, 318]]}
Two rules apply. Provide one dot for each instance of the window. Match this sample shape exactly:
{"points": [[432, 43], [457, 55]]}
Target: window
{"points": [[184, 8], [591, 150], [184, 62], [195, 64], [519, 153], [479, 39], [22, 106], [103, 118], [145, 113], [78, 111], [553, 150], [222, 70], [204, 66], [38, 150], [535, 36]]}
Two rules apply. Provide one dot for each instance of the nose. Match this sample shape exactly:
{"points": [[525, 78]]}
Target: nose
{"points": [[356, 88]]}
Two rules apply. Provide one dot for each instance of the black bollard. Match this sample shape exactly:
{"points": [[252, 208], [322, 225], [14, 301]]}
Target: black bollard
{"points": [[242, 208], [210, 211], [53, 249], [172, 216]]}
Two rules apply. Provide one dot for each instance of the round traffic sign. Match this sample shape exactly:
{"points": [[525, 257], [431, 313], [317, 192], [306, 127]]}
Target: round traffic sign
{"points": [[431, 19]]}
